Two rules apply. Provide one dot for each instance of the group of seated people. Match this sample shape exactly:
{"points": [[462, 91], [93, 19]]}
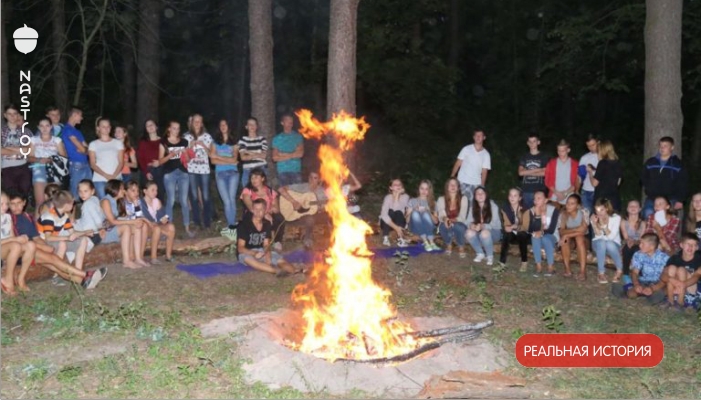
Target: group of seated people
{"points": [[648, 254]]}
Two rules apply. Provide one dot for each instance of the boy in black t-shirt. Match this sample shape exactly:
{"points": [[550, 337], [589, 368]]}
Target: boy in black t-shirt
{"points": [[683, 271], [531, 168], [254, 243]]}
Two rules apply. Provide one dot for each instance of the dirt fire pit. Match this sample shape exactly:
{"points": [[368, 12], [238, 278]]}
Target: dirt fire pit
{"points": [[276, 365]]}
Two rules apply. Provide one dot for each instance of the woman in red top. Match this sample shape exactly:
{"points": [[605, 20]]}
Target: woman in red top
{"points": [[147, 157]]}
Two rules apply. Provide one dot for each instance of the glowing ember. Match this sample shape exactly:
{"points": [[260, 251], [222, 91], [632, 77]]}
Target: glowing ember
{"points": [[346, 314]]}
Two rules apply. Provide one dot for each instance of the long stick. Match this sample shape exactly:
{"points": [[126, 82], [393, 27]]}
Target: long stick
{"points": [[426, 347], [451, 330]]}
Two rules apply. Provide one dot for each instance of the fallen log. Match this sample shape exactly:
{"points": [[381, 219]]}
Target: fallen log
{"points": [[112, 253]]}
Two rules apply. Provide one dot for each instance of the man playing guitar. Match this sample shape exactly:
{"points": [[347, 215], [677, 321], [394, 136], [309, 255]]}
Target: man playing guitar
{"points": [[303, 204]]}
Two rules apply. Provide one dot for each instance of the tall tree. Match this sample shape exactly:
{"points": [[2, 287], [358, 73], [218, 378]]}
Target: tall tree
{"points": [[260, 23], [4, 69], [148, 61], [58, 38], [663, 78], [342, 61], [89, 34]]}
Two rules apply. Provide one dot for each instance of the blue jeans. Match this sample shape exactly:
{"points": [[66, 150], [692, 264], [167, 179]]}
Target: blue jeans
{"points": [[100, 189], [180, 181], [78, 171], [483, 239], [588, 200], [421, 224], [548, 242], [246, 175], [528, 199], [228, 185], [201, 182], [126, 178], [455, 232], [289, 178], [602, 247]]}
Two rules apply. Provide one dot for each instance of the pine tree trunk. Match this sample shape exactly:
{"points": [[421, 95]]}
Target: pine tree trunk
{"points": [[148, 61], [128, 86], [59, 39], [262, 77], [696, 143], [342, 62], [663, 80], [4, 68]]}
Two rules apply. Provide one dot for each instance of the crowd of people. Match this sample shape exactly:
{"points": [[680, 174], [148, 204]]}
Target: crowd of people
{"points": [[562, 204]]}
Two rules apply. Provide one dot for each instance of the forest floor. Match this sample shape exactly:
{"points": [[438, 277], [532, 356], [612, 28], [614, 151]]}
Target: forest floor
{"points": [[136, 335]]}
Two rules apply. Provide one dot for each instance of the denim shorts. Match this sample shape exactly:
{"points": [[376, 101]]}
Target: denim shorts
{"points": [[275, 258], [39, 174]]}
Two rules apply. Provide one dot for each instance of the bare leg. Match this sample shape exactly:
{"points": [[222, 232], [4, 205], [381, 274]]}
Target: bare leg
{"points": [[286, 266], [10, 253], [52, 262], [259, 265], [125, 241], [566, 254], [170, 239], [28, 251], [80, 253], [582, 254], [39, 193], [682, 275], [155, 238], [136, 243]]}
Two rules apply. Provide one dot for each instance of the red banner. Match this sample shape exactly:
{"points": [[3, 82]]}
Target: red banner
{"points": [[589, 350]]}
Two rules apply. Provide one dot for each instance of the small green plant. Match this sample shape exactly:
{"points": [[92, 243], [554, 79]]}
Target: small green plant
{"points": [[551, 317], [517, 333], [69, 374], [401, 266], [498, 271], [487, 303]]}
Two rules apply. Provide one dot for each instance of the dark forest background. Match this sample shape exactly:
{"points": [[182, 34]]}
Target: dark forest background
{"points": [[428, 72]]}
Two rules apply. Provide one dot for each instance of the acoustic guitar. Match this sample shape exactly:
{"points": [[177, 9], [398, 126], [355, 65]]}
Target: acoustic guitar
{"points": [[309, 202]]}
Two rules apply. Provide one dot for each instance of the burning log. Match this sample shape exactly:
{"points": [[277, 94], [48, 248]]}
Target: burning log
{"points": [[463, 337]]}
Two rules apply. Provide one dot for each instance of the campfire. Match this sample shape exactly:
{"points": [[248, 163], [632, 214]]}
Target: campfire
{"points": [[346, 315]]}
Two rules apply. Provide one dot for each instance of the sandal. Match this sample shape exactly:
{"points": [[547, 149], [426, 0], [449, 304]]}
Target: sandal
{"points": [[567, 274], [581, 278], [449, 250], [463, 254], [616, 278]]}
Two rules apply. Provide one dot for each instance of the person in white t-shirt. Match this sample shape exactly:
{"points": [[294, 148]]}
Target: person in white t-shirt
{"points": [[590, 160], [472, 165], [106, 156], [199, 172]]}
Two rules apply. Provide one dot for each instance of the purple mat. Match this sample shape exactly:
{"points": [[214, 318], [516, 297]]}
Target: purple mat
{"points": [[208, 270]]}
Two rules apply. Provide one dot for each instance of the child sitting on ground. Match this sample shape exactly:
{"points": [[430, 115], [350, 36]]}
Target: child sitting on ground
{"points": [[56, 228], [253, 245], [646, 272], [157, 223], [421, 213], [13, 248], [24, 225], [683, 271]]}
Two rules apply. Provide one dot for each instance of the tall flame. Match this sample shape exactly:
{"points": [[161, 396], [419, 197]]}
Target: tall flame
{"points": [[346, 314]]}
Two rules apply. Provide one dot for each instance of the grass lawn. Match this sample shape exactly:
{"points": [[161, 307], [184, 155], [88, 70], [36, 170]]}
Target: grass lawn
{"points": [[136, 334]]}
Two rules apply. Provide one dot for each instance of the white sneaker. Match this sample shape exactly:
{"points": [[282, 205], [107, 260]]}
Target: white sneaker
{"points": [[479, 257], [385, 241], [490, 260], [402, 243]]}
